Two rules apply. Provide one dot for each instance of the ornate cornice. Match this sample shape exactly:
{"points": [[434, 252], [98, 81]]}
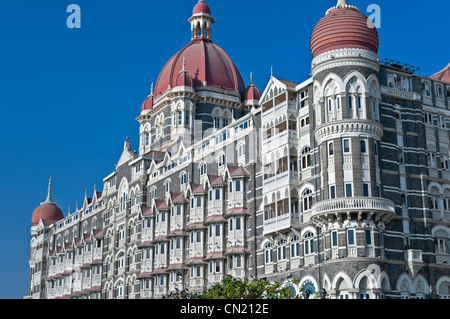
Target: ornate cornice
{"points": [[348, 127], [344, 57]]}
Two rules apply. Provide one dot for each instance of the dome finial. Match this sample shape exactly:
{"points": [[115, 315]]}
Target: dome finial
{"points": [[341, 3], [184, 64], [251, 78], [49, 191], [151, 90]]}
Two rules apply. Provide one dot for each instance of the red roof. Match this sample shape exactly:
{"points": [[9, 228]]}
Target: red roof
{"points": [[216, 180], [252, 93], [99, 233], [201, 7], [161, 205], [443, 75], [148, 103], [238, 211], [147, 211], [238, 171], [155, 154], [197, 189], [178, 198], [184, 79], [46, 212], [205, 62], [343, 28]]}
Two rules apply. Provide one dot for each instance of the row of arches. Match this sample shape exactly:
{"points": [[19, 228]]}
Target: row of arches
{"points": [[372, 283]]}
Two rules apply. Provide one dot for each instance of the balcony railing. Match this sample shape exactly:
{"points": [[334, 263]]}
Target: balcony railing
{"points": [[372, 207]]}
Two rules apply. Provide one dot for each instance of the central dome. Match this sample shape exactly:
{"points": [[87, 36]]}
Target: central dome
{"points": [[205, 62]]}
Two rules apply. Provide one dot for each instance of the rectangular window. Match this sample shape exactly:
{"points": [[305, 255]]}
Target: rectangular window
{"points": [[217, 194], [348, 190], [368, 236], [332, 191], [346, 145], [217, 230], [238, 186], [230, 188], [365, 189], [186, 118], [238, 223], [350, 237], [363, 146], [230, 224], [334, 239], [330, 149]]}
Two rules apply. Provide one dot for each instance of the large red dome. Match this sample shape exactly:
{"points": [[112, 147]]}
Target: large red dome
{"points": [[343, 27], [46, 211], [205, 62]]}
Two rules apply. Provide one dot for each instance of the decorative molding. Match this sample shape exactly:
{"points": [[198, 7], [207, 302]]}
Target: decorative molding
{"points": [[344, 57], [348, 127]]}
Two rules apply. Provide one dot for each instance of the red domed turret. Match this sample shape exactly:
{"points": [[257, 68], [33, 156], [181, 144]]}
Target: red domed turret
{"points": [[201, 7], [148, 103], [342, 27], [47, 211], [252, 93], [183, 78]]}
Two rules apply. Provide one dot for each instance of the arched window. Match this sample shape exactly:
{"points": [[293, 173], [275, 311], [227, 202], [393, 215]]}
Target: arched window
{"points": [[119, 289], [203, 169], [281, 250], [221, 160], [295, 246], [268, 253], [123, 201], [183, 179], [306, 157], [167, 186], [241, 150], [308, 243], [442, 241], [121, 260], [307, 198], [147, 138]]}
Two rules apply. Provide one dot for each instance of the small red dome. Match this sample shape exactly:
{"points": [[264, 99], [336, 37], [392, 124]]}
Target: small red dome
{"points": [[252, 93], [343, 27], [201, 7], [46, 211], [205, 62], [148, 103], [184, 79]]}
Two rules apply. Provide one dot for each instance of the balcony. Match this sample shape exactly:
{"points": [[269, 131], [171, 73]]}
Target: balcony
{"points": [[357, 208]]}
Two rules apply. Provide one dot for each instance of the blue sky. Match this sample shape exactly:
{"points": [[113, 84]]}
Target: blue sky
{"points": [[69, 97]]}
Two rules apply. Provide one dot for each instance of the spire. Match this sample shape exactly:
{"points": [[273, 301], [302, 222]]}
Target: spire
{"points": [[184, 64], [49, 191], [251, 78]]}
